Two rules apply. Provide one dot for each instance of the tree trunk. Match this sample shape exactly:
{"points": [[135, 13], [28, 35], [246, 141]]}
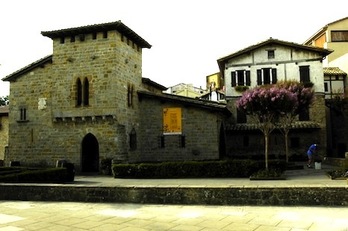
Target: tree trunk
{"points": [[266, 150], [286, 137]]}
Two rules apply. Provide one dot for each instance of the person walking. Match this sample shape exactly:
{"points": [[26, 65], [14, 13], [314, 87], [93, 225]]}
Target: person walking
{"points": [[310, 153]]}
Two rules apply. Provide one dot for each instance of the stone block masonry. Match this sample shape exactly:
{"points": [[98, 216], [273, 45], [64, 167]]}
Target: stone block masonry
{"points": [[267, 196]]}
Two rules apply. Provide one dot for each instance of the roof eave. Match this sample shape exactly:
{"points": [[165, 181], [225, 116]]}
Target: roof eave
{"points": [[118, 25], [26, 69]]}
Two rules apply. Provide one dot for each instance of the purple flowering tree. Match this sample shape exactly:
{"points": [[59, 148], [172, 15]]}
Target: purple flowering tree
{"points": [[305, 97], [265, 105]]}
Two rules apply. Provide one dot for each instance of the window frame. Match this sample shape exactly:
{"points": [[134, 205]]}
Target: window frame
{"points": [[240, 78], [272, 74], [305, 74]]}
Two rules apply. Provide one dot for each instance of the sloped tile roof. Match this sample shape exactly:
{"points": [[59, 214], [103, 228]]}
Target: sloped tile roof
{"points": [[206, 104], [222, 61], [334, 71], [255, 126], [28, 68], [322, 51]]}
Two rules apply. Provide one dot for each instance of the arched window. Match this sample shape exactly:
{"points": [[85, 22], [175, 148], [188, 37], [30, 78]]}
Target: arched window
{"points": [[78, 92], [85, 92]]}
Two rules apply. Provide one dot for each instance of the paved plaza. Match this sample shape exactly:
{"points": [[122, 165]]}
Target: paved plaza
{"points": [[39, 215], [21, 215]]}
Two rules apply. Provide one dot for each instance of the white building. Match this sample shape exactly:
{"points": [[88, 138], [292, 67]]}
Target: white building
{"points": [[270, 61], [266, 63]]}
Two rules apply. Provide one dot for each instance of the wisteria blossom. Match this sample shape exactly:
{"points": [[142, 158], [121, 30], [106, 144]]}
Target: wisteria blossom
{"points": [[264, 101], [267, 104], [305, 97]]}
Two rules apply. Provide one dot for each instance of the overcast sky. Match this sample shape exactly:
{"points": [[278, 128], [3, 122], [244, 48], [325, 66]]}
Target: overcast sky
{"points": [[187, 36]]}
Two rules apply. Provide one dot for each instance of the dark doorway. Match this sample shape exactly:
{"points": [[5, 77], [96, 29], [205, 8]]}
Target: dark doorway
{"points": [[90, 154]]}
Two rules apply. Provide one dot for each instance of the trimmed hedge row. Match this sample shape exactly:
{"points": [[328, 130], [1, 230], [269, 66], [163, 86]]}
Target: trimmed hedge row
{"points": [[27, 175], [193, 169]]}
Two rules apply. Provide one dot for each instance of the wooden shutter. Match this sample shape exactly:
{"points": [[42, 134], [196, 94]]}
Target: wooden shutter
{"points": [[259, 77], [304, 74], [233, 79], [247, 76], [274, 75]]}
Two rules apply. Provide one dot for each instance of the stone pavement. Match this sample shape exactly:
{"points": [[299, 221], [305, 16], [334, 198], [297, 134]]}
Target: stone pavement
{"points": [[20, 215], [294, 178], [48, 215]]}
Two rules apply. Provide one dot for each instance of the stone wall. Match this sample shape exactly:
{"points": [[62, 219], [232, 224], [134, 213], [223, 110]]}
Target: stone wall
{"points": [[55, 125], [3, 135], [200, 131], [260, 196]]}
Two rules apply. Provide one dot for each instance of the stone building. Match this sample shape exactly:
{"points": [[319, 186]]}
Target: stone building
{"points": [[3, 132], [265, 63], [88, 102]]}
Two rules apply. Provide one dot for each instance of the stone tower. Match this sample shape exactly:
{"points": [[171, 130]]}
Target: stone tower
{"points": [[79, 103]]}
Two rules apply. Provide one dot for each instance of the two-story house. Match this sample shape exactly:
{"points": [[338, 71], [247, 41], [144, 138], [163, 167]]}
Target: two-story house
{"points": [[88, 102], [266, 63]]}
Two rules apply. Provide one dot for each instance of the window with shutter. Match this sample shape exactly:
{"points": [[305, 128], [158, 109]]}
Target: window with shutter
{"points": [[233, 79], [274, 75], [248, 82], [304, 74]]}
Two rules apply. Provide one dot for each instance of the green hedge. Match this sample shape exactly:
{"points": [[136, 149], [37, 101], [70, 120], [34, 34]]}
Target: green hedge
{"points": [[186, 169], [27, 175]]}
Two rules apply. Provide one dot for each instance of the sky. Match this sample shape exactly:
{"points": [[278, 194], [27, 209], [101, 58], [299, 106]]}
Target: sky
{"points": [[187, 36]]}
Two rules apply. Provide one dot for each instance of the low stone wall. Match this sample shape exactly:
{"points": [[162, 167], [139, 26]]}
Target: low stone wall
{"points": [[268, 196]]}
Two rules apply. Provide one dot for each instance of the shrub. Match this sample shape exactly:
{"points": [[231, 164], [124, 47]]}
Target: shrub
{"points": [[186, 169], [49, 175], [105, 166]]}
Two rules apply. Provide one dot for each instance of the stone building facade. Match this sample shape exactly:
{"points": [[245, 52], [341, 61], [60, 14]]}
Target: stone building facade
{"points": [[81, 103], [3, 131]]}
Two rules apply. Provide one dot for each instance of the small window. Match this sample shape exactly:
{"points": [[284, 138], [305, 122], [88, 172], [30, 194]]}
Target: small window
{"points": [[23, 114], [240, 78], [266, 76], [304, 74], [270, 54], [72, 38], [339, 36], [62, 40], [130, 92], [94, 35], [78, 92], [85, 92], [326, 87], [105, 34]]}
